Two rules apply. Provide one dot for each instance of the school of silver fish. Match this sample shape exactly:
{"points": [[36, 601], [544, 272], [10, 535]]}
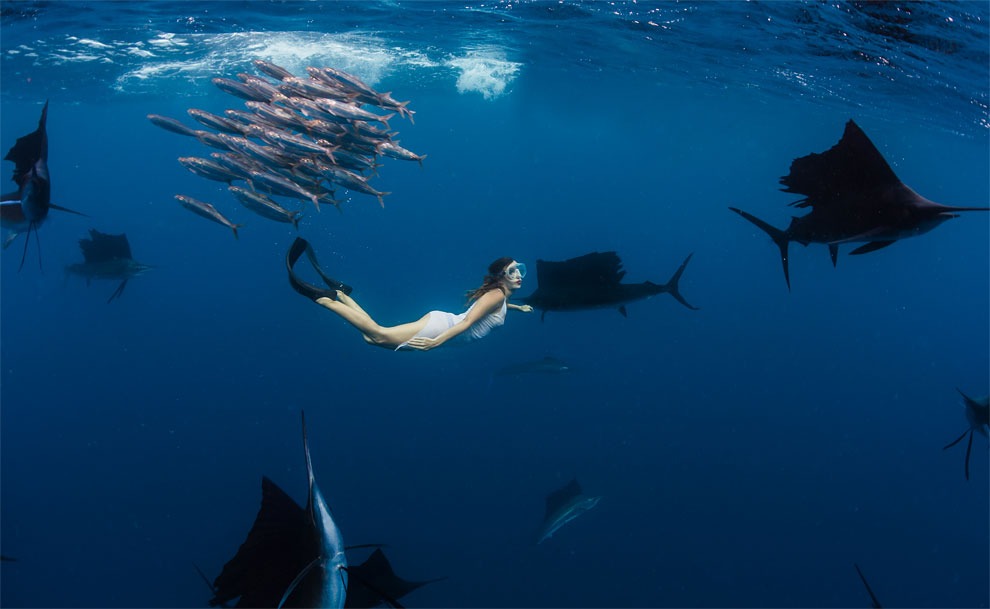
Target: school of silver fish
{"points": [[301, 138]]}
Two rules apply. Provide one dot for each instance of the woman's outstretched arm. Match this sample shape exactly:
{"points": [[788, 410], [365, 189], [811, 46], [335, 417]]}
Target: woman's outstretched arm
{"points": [[523, 308], [488, 303]]}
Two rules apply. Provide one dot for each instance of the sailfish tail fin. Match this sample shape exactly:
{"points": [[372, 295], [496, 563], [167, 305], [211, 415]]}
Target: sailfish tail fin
{"points": [[779, 237], [672, 286]]}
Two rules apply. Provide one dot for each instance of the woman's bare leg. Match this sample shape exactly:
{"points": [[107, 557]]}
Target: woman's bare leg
{"points": [[347, 300], [373, 333]]}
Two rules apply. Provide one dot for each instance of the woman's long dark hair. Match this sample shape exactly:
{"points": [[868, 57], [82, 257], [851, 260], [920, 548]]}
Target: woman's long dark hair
{"points": [[493, 280]]}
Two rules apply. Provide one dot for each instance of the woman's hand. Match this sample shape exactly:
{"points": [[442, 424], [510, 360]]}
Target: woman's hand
{"points": [[423, 343], [526, 309]]}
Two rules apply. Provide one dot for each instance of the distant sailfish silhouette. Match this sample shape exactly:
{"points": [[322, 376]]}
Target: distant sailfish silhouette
{"points": [[978, 417], [563, 506], [107, 257], [854, 196]]}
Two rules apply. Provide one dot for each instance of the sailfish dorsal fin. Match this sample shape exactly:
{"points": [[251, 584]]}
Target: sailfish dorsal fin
{"points": [[561, 497], [101, 247], [853, 165]]}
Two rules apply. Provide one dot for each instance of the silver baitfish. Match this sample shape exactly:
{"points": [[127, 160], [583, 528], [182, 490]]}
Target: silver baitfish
{"points": [[270, 69], [207, 211], [208, 169], [395, 151], [238, 89], [170, 124], [217, 122], [265, 207]]}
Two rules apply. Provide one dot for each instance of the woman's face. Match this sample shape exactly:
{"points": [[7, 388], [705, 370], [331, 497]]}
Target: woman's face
{"points": [[513, 275]]}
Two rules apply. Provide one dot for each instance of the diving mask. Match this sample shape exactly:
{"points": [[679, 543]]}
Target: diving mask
{"points": [[516, 270]]}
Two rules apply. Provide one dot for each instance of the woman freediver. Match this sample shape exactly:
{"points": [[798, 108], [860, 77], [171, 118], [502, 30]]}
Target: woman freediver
{"points": [[488, 306]]}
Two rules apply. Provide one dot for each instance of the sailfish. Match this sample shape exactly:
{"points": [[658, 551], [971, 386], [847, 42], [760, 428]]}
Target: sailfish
{"points": [[107, 257], [564, 505], [292, 557], [854, 197], [978, 417], [25, 209]]}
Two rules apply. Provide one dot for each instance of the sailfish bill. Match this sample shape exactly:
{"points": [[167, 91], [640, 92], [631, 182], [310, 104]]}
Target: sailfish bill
{"points": [[292, 557]]}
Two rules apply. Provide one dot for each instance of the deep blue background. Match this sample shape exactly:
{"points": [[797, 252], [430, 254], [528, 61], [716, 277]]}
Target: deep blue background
{"points": [[747, 453]]}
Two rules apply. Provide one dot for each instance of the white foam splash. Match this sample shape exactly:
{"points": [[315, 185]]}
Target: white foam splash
{"points": [[161, 57], [486, 71]]}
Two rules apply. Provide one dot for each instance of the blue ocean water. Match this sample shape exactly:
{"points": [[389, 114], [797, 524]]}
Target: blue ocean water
{"points": [[747, 454]]}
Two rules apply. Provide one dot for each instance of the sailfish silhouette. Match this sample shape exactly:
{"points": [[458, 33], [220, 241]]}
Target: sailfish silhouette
{"points": [[25, 209]]}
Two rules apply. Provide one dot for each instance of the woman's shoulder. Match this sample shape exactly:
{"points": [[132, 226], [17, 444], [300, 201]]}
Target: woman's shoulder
{"points": [[492, 298]]}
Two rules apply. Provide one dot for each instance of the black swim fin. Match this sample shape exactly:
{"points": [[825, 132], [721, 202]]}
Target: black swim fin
{"points": [[299, 246]]}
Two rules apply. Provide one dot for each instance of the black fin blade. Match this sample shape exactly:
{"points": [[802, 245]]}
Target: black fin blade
{"points": [[853, 165], [30, 148], [833, 252], [872, 246], [280, 544], [561, 497], [622, 311]]}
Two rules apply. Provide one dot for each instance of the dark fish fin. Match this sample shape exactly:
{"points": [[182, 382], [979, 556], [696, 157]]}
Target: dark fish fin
{"points": [[295, 582], [672, 285], [118, 291], [29, 148], [622, 311], [956, 441], [66, 209], [365, 545], [876, 603], [853, 165], [101, 247], [560, 497], [279, 544], [833, 251], [970, 402], [377, 583], [779, 237], [206, 579], [969, 449], [543, 315], [32, 228], [872, 246], [37, 243], [27, 239]]}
